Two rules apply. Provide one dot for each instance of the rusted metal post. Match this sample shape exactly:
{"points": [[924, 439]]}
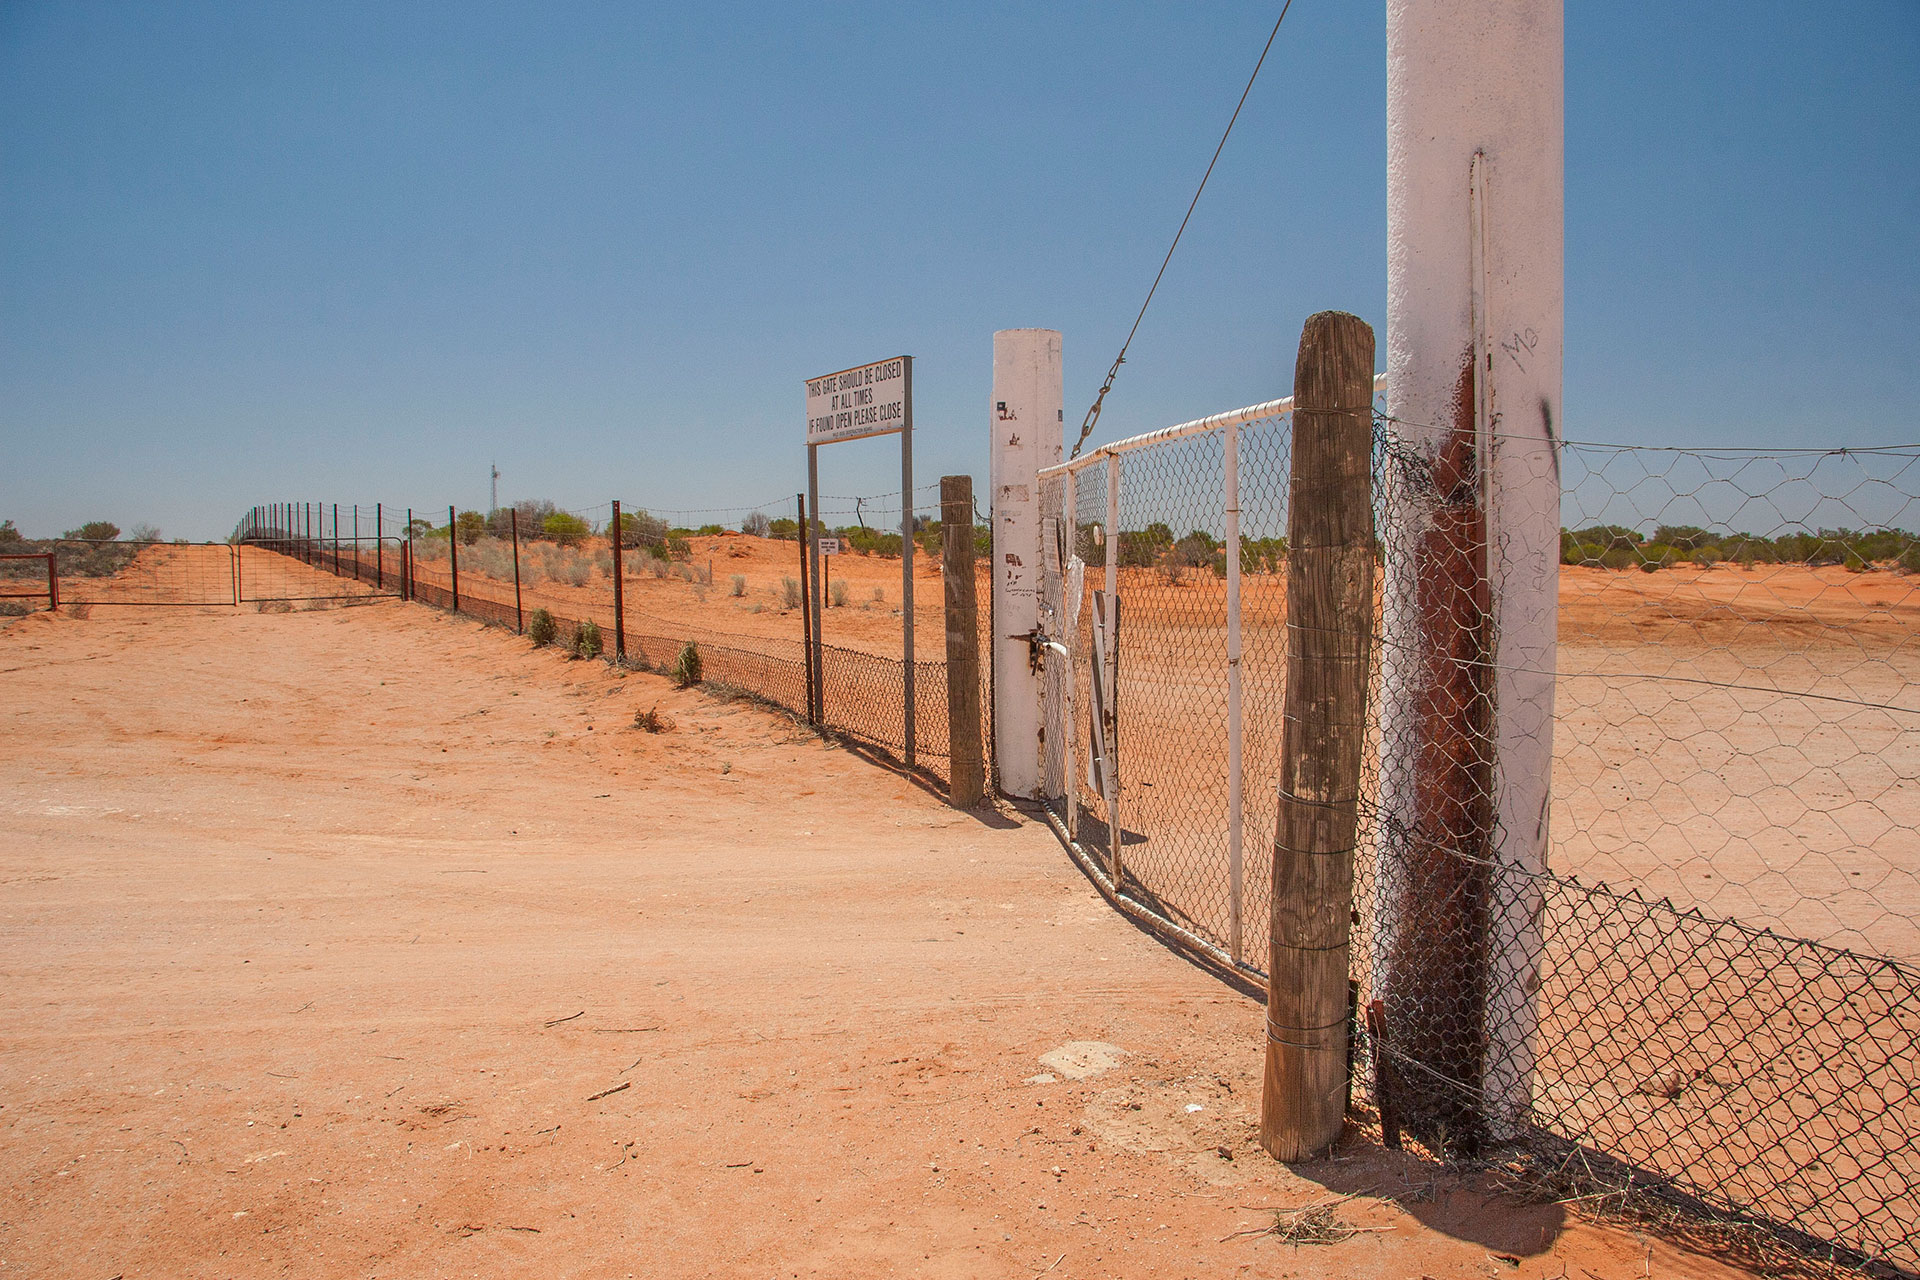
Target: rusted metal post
{"points": [[53, 581], [356, 542], [453, 554], [1329, 638], [519, 616], [967, 785], [336, 539], [618, 537], [407, 559], [806, 612], [379, 547]]}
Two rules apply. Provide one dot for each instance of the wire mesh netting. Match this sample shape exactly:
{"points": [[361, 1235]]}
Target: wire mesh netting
{"points": [[1711, 978]]}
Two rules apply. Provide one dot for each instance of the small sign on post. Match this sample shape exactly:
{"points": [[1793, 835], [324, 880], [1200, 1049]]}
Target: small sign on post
{"points": [[829, 546]]}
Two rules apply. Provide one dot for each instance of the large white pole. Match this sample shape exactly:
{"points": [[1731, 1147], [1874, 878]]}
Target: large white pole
{"points": [[1024, 416], [1475, 218]]}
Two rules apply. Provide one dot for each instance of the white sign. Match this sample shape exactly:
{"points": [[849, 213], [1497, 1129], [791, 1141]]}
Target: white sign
{"points": [[829, 546], [869, 401]]}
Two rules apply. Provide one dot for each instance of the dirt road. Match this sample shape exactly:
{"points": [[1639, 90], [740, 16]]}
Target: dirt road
{"points": [[369, 942]]}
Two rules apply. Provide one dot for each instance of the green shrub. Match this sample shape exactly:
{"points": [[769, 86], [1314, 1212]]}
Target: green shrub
{"points": [[586, 640], [686, 667], [710, 530], [641, 529], [94, 531], [541, 628], [679, 548], [473, 526], [786, 529], [566, 528]]}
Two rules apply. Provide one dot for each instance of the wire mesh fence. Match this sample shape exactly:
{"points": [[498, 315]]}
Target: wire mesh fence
{"points": [[731, 591], [1712, 978]]}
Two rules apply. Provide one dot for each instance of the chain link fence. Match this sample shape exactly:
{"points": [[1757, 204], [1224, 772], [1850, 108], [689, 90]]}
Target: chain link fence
{"points": [[1712, 979], [733, 595]]}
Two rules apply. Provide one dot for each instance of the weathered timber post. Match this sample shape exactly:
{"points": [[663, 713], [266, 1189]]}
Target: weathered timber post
{"points": [[806, 613], [618, 536], [1329, 637], [453, 554], [966, 786], [519, 615]]}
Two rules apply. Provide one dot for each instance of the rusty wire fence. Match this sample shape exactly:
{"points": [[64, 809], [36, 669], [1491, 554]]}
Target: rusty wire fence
{"points": [[1712, 984], [682, 577]]}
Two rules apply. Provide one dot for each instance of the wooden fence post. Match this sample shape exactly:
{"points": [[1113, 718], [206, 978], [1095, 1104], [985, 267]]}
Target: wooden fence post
{"points": [[967, 783], [1329, 638], [806, 617]]}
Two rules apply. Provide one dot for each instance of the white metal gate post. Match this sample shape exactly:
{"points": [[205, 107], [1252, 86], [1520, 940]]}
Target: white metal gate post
{"points": [[1070, 605], [1112, 672], [1236, 879], [1024, 419], [1475, 231]]}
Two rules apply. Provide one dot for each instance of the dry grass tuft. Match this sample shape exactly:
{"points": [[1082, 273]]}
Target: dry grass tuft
{"points": [[652, 721]]}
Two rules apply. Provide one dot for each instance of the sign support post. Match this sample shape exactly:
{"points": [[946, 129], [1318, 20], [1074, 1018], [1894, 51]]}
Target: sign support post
{"points": [[871, 400]]}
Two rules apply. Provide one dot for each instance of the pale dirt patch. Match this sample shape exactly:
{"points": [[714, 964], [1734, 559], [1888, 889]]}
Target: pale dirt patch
{"points": [[330, 940]]}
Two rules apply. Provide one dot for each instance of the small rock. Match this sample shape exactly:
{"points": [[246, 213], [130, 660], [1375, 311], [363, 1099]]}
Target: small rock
{"points": [[1078, 1059]]}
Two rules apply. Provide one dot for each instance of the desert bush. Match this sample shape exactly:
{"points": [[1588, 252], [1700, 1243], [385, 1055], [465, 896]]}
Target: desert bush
{"points": [[790, 592], [10, 535], [651, 720], [683, 572], [756, 525], [657, 567], [738, 584], [532, 512], [586, 640], [686, 666], [638, 528], [709, 531], [786, 529], [94, 531], [679, 549], [579, 571], [838, 591], [566, 528], [541, 628], [472, 527], [144, 533], [879, 595]]}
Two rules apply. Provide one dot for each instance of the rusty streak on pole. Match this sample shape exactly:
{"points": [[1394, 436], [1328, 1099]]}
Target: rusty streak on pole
{"points": [[379, 547], [968, 783], [806, 610], [519, 616], [619, 595], [453, 554], [1329, 636]]}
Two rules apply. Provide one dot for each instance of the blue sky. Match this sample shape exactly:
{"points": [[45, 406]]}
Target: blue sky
{"points": [[354, 253]]}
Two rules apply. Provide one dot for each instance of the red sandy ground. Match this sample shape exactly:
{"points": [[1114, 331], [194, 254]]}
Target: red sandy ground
{"points": [[369, 942]]}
